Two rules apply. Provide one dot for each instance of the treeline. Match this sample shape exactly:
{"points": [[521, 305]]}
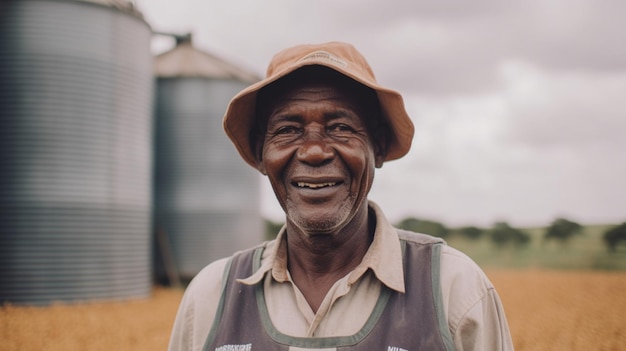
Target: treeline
{"points": [[501, 233]]}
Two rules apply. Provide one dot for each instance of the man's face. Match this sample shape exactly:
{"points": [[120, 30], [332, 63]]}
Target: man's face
{"points": [[319, 156]]}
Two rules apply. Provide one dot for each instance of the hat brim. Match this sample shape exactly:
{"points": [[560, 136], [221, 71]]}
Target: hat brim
{"points": [[241, 112]]}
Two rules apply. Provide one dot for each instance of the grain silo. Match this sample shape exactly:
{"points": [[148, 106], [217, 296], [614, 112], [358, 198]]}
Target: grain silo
{"points": [[207, 200], [76, 87]]}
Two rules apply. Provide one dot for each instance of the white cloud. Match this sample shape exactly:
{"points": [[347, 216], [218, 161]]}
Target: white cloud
{"points": [[545, 144], [571, 108]]}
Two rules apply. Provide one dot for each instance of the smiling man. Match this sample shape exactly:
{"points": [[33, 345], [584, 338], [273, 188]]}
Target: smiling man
{"points": [[338, 276]]}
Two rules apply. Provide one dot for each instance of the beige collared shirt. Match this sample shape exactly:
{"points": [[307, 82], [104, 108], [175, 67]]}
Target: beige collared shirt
{"points": [[475, 315]]}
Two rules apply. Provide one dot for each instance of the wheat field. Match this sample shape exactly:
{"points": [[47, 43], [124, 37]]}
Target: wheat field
{"points": [[564, 310], [547, 310]]}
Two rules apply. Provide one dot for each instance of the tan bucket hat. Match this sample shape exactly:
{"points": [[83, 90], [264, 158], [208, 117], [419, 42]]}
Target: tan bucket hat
{"points": [[341, 57]]}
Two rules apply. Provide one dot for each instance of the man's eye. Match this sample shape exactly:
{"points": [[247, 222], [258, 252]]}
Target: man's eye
{"points": [[340, 127], [287, 130]]}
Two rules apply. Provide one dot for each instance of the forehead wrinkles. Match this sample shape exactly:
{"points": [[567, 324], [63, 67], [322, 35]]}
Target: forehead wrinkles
{"points": [[340, 103]]}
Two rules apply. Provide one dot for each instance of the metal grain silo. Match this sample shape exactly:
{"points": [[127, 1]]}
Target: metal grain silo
{"points": [[207, 200], [76, 87]]}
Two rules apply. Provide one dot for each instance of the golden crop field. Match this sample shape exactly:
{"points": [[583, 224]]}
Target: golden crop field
{"points": [[564, 310], [547, 310]]}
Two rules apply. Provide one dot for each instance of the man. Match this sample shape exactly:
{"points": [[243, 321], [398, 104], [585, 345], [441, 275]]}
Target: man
{"points": [[338, 276]]}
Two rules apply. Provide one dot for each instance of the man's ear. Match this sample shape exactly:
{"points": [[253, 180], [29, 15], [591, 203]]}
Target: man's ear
{"points": [[380, 149], [258, 153], [379, 160], [261, 167]]}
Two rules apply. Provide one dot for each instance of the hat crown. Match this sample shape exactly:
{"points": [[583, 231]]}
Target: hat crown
{"points": [[333, 54]]}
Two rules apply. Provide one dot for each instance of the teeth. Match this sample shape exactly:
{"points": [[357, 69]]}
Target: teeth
{"points": [[315, 186]]}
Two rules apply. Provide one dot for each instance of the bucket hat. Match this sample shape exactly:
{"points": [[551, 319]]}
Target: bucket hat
{"points": [[341, 57]]}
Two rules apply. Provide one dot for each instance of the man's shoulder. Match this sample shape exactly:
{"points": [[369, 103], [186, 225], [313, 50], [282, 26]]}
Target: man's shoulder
{"points": [[211, 276], [455, 265], [418, 238], [458, 269]]}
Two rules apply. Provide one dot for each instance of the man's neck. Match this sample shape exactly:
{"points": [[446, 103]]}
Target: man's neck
{"points": [[317, 260]]}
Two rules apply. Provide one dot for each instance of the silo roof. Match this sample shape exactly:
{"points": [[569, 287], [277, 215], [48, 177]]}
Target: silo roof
{"points": [[186, 61], [124, 5]]}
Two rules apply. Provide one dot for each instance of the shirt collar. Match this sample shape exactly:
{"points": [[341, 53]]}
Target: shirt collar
{"points": [[384, 257]]}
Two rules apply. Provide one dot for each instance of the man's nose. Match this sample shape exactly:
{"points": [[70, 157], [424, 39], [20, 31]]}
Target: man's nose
{"points": [[315, 150]]}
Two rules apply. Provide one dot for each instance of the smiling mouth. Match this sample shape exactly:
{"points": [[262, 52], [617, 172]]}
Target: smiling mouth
{"points": [[305, 185]]}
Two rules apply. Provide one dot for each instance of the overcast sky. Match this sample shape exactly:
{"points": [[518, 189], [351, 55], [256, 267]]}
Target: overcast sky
{"points": [[519, 108]]}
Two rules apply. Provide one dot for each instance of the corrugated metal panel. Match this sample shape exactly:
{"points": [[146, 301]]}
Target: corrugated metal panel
{"points": [[206, 198], [75, 152]]}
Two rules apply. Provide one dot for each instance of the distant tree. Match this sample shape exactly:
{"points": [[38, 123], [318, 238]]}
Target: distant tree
{"points": [[613, 236], [471, 232], [562, 229], [272, 229], [502, 234], [409, 223], [424, 226]]}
